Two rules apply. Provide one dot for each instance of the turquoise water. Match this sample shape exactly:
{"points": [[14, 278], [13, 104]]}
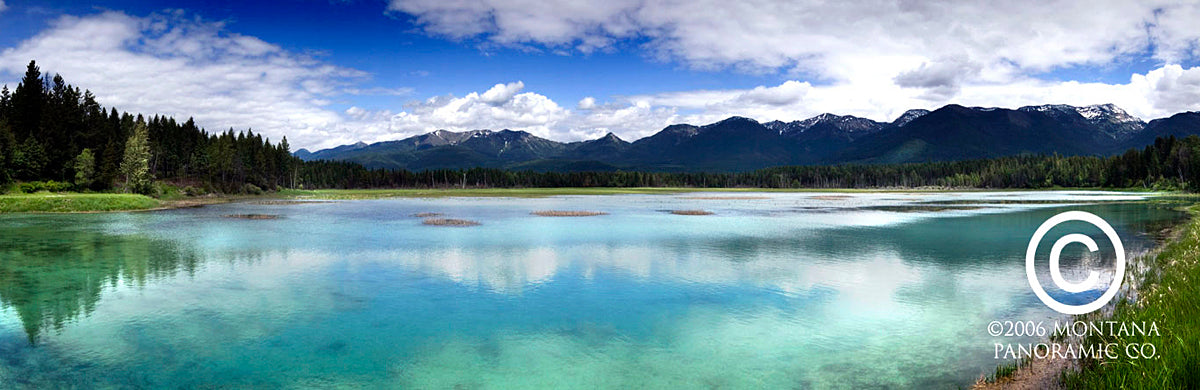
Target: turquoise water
{"points": [[792, 291]]}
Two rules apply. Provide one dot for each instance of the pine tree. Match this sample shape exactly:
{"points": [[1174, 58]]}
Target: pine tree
{"points": [[5, 103], [136, 164], [285, 164], [8, 146], [114, 149], [27, 103], [29, 160], [85, 169]]}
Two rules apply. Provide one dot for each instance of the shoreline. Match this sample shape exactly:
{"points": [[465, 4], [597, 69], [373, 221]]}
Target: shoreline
{"points": [[85, 203], [538, 192], [1050, 373]]}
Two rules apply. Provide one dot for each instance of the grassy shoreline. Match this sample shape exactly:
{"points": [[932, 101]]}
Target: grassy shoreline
{"points": [[45, 202], [71, 202], [356, 194], [1168, 295]]}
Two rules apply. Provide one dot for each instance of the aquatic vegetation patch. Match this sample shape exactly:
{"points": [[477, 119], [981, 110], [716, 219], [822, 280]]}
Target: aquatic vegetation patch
{"points": [[725, 197], [283, 202], [1015, 201], [691, 212], [568, 213], [449, 222], [920, 208], [252, 216], [831, 197]]}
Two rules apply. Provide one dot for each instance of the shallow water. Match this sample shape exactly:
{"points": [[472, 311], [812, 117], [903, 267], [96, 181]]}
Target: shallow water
{"points": [[798, 290]]}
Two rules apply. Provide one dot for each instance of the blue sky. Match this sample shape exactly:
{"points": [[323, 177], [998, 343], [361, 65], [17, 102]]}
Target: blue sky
{"points": [[333, 72]]}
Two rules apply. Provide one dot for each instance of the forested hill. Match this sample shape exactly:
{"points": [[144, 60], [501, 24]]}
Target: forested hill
{"points": [[735, 144], [51, 131]]}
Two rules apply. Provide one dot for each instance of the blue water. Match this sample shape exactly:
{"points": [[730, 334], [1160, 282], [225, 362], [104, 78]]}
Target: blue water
{"points": [[780, 291]]}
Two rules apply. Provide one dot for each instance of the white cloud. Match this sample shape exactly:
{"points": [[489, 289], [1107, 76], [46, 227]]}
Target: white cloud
{"points": [[937, 46], [181, 66], [1170, 88], [871, 65], [627, 119], [790, 92], [505, 106], [874, 59], [587, 24], [586, 103], [501, 93], [3, 6], [501, 107], [1158, 93]]}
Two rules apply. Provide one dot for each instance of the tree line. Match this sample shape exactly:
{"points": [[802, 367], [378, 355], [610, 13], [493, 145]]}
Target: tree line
{"points": [[1168, 164], [54, 134]]}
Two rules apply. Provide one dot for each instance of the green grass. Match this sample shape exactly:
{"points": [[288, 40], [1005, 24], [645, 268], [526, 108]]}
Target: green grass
{"points": [[1006, 370], [337, 194], [543, 192], [470, 192], [1170, 298], [473, 192], [45, 202]]}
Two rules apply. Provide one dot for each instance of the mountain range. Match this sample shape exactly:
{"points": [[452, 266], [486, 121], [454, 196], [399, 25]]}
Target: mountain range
{"points": [[952, 132]]}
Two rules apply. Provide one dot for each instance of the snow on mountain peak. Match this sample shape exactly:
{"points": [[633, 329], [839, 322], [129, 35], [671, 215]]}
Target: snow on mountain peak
{"points": [[909, 116], [1112, 112]]}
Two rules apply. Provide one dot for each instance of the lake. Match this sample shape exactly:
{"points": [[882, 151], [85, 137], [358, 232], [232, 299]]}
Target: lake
{"points": [[774, 290]]}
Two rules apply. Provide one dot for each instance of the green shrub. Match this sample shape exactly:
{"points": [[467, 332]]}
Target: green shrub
{"points": [[51, 186], [168, 191], [252, 189]]}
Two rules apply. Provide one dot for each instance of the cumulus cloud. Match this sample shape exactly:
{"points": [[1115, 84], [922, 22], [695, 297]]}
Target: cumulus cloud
{"points": [[869, 61], [506, 106], [177, 65], [628, 119], [1157, 93], [1173, 31], [501, 107], [3, 6], [790, 92], [586, 103], [941, 79], [584, 24], [501, 93], [1170, 88], [886, 41]]}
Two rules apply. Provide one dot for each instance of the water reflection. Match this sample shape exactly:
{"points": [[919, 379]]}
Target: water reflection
{"points": [[51, 273], [500, 270], [790, 261], [360, 294]]}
